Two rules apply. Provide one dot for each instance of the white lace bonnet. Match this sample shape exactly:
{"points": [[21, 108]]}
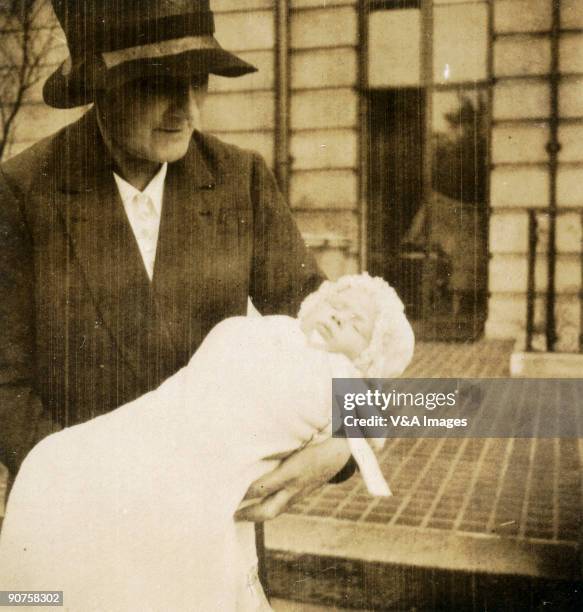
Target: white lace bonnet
{"points": [[391, 348]]}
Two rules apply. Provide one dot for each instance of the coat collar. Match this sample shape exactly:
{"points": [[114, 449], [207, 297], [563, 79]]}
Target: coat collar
{"points": [[154, 190]]}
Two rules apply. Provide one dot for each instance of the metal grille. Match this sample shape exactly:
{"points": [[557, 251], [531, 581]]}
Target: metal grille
{"points": [[528, 489]]}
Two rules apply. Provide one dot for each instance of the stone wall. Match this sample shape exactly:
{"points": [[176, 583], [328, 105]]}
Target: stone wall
{"points": [[520, 164], [323, 119]]}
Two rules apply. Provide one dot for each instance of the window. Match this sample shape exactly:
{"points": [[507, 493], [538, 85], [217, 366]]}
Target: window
{"points": [[428, 159]]}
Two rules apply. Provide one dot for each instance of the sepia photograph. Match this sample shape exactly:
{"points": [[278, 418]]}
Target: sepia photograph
{"points": [[291, 305]]}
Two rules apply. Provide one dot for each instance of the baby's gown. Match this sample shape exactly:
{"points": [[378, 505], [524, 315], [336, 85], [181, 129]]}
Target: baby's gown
{"points": [[134, 509]]}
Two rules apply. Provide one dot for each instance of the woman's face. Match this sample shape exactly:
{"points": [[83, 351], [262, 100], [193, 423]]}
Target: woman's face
{"points": [[345, 321], [154, 118]]}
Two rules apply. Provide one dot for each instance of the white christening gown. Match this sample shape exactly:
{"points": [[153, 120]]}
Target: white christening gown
{"points": [[133, 510]]}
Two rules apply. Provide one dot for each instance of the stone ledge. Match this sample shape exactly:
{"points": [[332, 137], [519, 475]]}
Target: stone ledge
{"points": [[546, 365], [374, 567], [425, 548], [333, 563]]}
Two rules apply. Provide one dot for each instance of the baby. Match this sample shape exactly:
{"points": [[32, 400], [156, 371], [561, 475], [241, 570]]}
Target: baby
{"points": [[134, 509], [363, 318]]}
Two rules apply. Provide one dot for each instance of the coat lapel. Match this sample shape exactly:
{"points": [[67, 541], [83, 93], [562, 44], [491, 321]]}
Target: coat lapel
{"points": [[189, 220], [103, 242]]}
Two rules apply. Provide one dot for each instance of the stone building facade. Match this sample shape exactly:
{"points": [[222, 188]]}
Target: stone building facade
{"points": [[436, 142]]}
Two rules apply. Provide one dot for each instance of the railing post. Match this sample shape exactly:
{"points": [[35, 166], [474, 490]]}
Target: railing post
{"points": [[531, 283], [553, 148]]}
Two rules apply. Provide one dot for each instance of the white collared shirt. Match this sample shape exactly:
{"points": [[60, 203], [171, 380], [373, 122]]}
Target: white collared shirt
{"points": [[144, 211]]}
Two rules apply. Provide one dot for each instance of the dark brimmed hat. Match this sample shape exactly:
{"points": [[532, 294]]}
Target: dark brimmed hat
{"points": [[114, 41]]}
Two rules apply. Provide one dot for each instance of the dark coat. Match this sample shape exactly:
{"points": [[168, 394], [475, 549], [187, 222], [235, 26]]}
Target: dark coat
{"points": [[83, 329]]}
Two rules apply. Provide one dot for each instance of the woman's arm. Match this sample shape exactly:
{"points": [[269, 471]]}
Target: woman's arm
{"points": [[23, 419]]}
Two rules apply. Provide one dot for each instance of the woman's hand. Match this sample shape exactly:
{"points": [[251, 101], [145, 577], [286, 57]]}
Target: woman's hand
{"points": [[296, 477]]}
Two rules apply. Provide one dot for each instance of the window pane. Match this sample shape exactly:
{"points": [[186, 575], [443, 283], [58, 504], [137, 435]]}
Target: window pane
{"points": [[394, 44], [460, 43]]}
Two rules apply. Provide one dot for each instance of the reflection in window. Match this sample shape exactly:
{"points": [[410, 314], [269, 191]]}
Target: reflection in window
{"points": [[460, 145], [457, 228]]}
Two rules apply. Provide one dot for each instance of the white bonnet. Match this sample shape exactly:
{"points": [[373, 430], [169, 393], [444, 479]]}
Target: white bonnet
{"points": [[391, 348]]}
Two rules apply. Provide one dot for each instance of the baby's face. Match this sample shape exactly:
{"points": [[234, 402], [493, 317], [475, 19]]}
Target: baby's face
{"points": [[345, 321]]}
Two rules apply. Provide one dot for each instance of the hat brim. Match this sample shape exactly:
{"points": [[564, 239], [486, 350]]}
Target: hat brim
{"points": [[69, 87]]}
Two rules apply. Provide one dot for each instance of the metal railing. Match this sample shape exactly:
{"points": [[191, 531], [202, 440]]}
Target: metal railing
{"points": [[551, 322]]}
